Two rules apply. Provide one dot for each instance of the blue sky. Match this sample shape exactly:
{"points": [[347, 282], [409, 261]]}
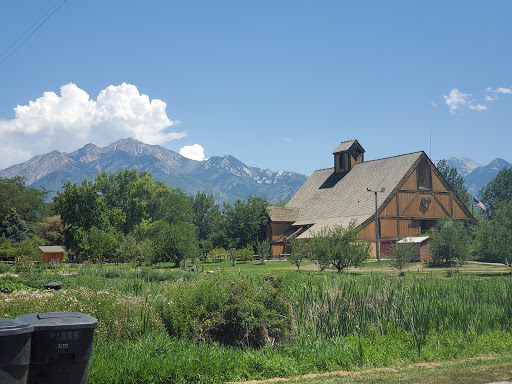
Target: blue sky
{"points": [[277, 84]]}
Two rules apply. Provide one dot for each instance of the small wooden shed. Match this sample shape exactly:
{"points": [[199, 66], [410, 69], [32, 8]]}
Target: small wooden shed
{"points": [[422, 245], [52, 254]]}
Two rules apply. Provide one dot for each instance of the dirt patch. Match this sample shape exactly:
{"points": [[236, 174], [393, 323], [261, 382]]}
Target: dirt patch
{"points": [[424, 365]]}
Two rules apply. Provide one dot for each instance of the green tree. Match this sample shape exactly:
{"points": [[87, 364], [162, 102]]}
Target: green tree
{"points": [[340, 247], [497, 192], [493, 238], [50, 229], [130, 250], [206, 211], [100, 244], [263, 249], [14, 228], [28, 202], [403, 256], [450, 243], [300, 251], [245, 222], [456, 182], [170, 242]]}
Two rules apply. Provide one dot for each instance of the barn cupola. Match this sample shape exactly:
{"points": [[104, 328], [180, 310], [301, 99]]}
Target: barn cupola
{"points": [[348, 154]]}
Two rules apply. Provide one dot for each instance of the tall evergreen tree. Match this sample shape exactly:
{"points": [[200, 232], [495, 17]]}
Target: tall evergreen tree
{"points": [[456, 181], [14, 227]]}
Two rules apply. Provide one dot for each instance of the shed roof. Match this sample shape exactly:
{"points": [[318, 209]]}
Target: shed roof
{"points": [[414, 239], [51, 248], [348, 199]]}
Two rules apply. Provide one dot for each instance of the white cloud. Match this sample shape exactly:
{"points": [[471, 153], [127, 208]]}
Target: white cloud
{"points": [[478, 107], [69, 121], [489, 98], [194, 152], [507, 91], [456, 99]]}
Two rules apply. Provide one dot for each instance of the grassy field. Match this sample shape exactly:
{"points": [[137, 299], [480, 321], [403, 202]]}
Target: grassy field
{"points": [[366, 321]]}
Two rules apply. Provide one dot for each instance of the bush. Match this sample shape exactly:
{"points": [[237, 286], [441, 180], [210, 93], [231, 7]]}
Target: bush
{"points": [[404, 254], [450, 243], [232, 312]]}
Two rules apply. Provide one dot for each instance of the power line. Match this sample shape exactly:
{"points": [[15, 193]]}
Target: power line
{"points": [[54, 8]]}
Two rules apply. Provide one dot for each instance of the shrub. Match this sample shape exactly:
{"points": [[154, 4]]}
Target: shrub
{"points": [[232, 312], [263, 249], [340, 247], [404, 254], [450, 244]]}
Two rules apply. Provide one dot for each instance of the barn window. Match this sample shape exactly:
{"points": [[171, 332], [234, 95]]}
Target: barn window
{"points": [[342, 162], [424, 175]]}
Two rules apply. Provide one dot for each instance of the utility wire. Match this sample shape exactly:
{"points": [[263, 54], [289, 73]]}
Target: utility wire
{"points": [[54, 8]]}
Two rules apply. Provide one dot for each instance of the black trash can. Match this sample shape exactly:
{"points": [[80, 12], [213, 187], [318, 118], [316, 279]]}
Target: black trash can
{"points": [[15, 339], [61, 347]]}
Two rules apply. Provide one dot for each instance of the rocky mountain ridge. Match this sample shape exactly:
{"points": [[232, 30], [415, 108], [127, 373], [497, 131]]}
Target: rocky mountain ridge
{"points": [[476, 176], [227, 178]]}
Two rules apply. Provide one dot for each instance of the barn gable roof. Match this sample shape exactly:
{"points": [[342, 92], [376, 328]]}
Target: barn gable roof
{"points": [[282, 214], [348, 199]]}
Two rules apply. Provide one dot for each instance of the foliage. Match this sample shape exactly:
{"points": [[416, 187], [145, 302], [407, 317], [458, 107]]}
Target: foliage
{"points": [[263, 250], [118, 203], [169, 242], [403, 255], [206, 211], [50, 229], [497, 192], [232, 312], [28, 202], [339, 246], [245, 254], [493, 238], [14, 228], [217, 253], [450, 243], [130, 250], [99, 245], [300, 251], [245, 222], [6, 249], [456, 181]]}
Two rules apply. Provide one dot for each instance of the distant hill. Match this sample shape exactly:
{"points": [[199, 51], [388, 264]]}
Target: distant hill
{"points": [[225, 177], [476, 176]]}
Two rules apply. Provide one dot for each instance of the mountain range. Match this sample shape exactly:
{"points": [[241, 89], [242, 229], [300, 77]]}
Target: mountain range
{"points": [[227, 178], [476, 176]]}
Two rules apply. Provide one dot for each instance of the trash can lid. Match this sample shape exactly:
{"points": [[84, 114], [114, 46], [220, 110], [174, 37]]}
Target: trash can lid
{"points": [[65, 320], [9, 327]]}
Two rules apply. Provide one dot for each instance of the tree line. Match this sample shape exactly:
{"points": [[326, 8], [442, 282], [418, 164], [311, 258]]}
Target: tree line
{"points": [[128, 216]]}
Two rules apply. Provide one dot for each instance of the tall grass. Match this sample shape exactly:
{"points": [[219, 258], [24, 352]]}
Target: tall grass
{"points": [[334, 307]]}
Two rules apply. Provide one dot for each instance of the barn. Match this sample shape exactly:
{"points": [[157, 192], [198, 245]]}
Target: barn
{"points": [[405, 195]]}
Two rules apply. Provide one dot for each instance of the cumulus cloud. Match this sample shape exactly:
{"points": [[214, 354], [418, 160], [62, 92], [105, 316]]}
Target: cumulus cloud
{"points": [[456, 99], [69, 121], [507, 91], [194, 152], [489, 98]]}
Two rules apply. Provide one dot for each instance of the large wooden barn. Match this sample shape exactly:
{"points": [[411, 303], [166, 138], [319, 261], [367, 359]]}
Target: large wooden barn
{"points": [[408, 190]]}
